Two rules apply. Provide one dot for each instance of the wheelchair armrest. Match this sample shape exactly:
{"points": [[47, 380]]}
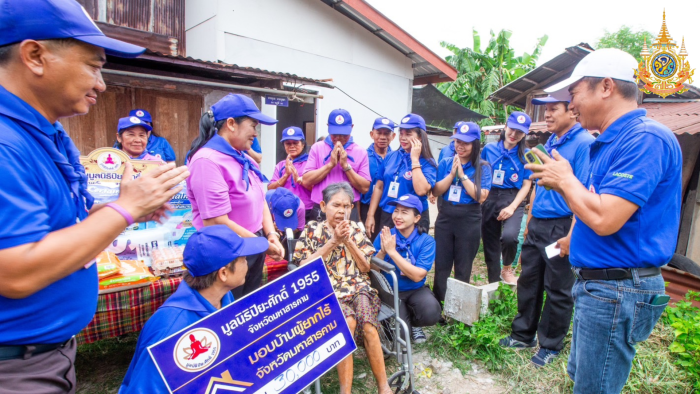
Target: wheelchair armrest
{"points": [[382, 265], [291, 267]]}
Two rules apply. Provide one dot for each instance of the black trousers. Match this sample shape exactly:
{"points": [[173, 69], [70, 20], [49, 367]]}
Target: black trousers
{"points": [[387, 221], [317, 214], [457, 236], [540, 274], [499, 237], [364, 208], [253, 278], [419, 308]]}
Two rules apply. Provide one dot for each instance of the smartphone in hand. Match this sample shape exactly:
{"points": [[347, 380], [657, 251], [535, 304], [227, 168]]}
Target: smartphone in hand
{"points": [[532, 158]]}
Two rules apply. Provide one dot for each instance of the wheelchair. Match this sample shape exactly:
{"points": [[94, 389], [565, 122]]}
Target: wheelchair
{"points": [[391, 325]]}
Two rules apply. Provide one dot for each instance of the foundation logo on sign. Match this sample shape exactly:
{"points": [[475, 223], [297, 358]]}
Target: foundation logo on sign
{"points": [[109, 162], [663, 70], [196, 349]]}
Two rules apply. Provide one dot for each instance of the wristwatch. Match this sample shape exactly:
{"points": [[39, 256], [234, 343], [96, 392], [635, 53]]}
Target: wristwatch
{"points": [[348, 168], [464, 178]]}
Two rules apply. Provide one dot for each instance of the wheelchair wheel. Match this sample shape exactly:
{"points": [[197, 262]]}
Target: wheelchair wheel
{"points": [[386, 336], [398, 382]]}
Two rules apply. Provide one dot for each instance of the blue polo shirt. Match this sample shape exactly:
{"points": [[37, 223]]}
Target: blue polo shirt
{"points": [[423, 250], [447, 151], [397, 167], [375, 162], [186, 306], [444, 170], [574, 146], [35, 200], [640, 160], [506, 160], [160, 147]]}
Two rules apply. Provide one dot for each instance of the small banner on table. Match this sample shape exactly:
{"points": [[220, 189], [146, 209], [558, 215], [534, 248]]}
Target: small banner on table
{"points": [[278, 339]]}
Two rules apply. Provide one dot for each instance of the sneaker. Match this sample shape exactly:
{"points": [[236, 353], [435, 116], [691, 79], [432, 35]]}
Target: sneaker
{"points": [[507, 274], [515, 344], [417, 335], [544, 356]]}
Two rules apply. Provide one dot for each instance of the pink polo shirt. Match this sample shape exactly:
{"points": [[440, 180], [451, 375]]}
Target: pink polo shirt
{"points": [[300, 191], [215, 187], [319, 151]]}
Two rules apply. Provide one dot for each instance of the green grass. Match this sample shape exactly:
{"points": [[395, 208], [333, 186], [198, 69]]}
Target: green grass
{"points": [[653, 370], [101, 366]]}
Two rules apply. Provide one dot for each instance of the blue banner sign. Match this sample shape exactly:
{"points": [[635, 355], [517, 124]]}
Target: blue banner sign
{"points": [[279, 101], [278, 339]]}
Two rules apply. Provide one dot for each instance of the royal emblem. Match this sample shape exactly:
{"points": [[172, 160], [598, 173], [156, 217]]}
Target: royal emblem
{"points": [[663, 70]]}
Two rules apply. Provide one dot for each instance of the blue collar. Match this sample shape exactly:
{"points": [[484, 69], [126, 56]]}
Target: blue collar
{"points": [[188, 299], [404, 244], [620, 124], [329, 142], [16, 108], [510, 154], [452, 147], [372, 152], [561, 141], [219, 144]]}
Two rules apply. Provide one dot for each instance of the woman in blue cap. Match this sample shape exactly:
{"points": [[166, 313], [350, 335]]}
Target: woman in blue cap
{"points": [[411, 250], [502, 212], [287, 173], [465, 181], [225, 184], [215, 258], [132, 138], [157, 146], [409, 170]]}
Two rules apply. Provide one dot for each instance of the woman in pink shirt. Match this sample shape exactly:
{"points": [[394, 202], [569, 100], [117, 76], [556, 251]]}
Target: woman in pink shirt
{"points": [[288, 172], [132, 138], [225, 184]]}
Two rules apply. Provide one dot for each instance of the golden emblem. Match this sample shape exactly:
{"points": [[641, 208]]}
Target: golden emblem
{"points": [[663, 70]]}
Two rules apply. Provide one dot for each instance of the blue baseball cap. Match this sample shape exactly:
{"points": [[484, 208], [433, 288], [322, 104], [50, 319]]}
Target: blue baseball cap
{"points": [[141, 114], [56, 19], [284, 205], [519, 121], [548, 99], [467, 132], [458, 125], [292, 133], [408, 201], [235, 105], [339, 122], [412, 121], [383, 123], [214, 247], [132, 121]]}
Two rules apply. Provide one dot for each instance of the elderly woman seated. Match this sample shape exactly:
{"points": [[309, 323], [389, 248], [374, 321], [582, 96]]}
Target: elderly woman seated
{"points": [[132, 138], [346, 252]]}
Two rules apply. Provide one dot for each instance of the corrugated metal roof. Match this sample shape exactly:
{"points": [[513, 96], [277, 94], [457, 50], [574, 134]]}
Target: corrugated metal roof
{"points": [[681, 118], [189, 63], [549, 73]]}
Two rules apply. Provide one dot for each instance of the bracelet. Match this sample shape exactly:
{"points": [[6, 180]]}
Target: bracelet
{"points": [[272, 233], [127, 216], [413, 167]]}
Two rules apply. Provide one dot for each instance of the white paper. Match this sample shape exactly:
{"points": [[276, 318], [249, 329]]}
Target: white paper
{"points": [[552, 250]]}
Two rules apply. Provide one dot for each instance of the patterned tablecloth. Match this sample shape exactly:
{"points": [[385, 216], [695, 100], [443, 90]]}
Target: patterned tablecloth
{"points": [[127, 311]]}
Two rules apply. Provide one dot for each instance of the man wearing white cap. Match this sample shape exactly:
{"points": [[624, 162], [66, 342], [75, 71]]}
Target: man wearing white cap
{"points": [[627, 219]]}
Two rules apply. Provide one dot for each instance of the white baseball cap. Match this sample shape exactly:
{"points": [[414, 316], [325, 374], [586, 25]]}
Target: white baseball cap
{"points": [[603, 63]]}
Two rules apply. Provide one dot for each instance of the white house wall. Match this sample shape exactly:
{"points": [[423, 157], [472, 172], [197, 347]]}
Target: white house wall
{"points": [[310, 39]]}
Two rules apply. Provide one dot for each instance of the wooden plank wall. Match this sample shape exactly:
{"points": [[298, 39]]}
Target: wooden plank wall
{"points": [[175, 117]]}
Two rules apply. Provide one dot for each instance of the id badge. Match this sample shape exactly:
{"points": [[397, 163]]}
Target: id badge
{"points": [[393, 190], [455, 193], [498, 176]]}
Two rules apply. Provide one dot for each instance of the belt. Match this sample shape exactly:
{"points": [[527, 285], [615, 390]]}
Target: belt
{"points": [[614, 273], [27, 351]]}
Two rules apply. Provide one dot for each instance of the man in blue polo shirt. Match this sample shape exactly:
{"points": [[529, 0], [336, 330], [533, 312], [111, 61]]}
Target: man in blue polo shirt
{"points": [[51, 54], [627, 212], [382, 134], [549, 222]]}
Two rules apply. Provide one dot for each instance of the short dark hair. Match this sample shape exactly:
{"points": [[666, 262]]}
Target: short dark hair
{"points": [[628, 90], [206, 281], [6, 51]]}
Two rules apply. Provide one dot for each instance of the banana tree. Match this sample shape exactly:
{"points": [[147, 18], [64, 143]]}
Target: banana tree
{"points": [[481, 73]]}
